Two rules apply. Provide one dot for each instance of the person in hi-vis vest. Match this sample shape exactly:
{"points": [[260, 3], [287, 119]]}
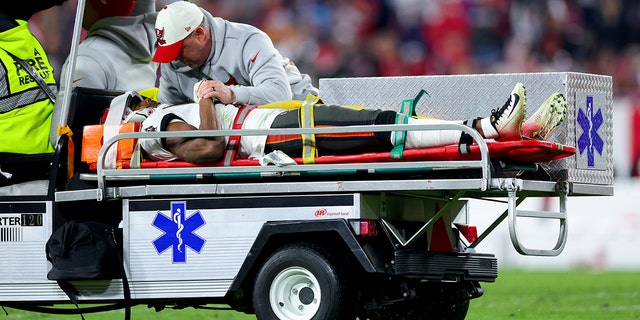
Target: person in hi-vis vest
{"points": [[25, 108]]}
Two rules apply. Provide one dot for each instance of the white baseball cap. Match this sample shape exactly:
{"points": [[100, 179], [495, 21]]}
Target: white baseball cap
{"points": [[174, 23]]}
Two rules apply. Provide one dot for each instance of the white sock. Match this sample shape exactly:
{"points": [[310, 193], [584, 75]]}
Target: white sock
{"points": [[429, 138], [487, 128]]}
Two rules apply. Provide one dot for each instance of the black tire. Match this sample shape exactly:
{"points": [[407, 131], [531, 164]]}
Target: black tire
{"points": [[300, 281]]}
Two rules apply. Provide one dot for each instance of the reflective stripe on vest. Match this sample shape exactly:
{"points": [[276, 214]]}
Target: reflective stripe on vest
{"points": [[25, 98]]}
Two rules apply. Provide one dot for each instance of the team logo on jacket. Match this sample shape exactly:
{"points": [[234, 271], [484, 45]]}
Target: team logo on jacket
{"points": [[179, 232]]}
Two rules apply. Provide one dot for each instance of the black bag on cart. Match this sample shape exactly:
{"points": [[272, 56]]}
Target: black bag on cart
{"points": [[86, 250]]}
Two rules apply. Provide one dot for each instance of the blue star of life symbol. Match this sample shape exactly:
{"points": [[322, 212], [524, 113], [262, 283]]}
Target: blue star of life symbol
{"points": [[178, 232], [590, 140]]}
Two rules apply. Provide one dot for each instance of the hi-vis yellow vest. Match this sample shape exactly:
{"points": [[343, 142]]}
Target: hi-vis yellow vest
{"points": [[25, 110]]}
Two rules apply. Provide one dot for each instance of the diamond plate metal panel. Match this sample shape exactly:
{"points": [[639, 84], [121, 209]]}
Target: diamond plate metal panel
{"points": [[594, 161], [459, 97]]}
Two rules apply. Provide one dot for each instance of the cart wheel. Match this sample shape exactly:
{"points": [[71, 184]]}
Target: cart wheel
{"points": [[301, 282]]}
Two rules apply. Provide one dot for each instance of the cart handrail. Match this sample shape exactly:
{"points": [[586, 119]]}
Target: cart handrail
{"points": [[483, 164]]}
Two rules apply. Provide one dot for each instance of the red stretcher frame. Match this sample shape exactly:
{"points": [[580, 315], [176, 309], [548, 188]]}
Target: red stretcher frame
{"points": [[522, 151]]}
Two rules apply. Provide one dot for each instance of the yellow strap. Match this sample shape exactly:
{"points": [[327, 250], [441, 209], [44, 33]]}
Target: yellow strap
{"points": [[309, 151], [295, 104], [284, 104]]}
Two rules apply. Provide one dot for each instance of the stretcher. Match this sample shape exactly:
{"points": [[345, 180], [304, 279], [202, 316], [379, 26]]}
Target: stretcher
{"points": [[518, 154]]}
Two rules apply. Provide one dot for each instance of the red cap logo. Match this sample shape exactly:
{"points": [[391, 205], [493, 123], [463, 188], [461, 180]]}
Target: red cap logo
{"points": [[160, 36]]}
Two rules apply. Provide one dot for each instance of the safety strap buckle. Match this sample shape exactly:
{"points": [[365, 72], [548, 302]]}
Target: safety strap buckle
{"points": [[407, 109]]}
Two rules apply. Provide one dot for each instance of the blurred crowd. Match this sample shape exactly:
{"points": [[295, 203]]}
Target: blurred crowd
{"points": [[336, 38], [355, 38], [358, 38]]}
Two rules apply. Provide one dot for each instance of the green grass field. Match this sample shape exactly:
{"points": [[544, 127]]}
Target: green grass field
{"points": [[557, 295], [560, 295]]}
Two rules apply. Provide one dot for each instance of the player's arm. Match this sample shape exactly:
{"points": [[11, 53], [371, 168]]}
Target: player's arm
{"points": [[207, 149]]}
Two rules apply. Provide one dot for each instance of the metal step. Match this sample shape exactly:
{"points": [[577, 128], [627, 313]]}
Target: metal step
{"points": [[513, 214]]}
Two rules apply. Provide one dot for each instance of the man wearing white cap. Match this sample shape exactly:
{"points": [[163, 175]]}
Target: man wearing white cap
{"points": [[239, 62]]}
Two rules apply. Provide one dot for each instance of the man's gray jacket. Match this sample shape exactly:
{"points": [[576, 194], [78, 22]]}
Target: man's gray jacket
{"points": [[117, 55], [244, 58]]}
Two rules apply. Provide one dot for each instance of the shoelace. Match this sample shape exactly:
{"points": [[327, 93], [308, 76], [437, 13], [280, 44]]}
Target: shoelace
{"points": [[495, 118]]}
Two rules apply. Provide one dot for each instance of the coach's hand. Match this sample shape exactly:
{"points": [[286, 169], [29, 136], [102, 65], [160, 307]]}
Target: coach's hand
{"points": [[217, 90]]}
